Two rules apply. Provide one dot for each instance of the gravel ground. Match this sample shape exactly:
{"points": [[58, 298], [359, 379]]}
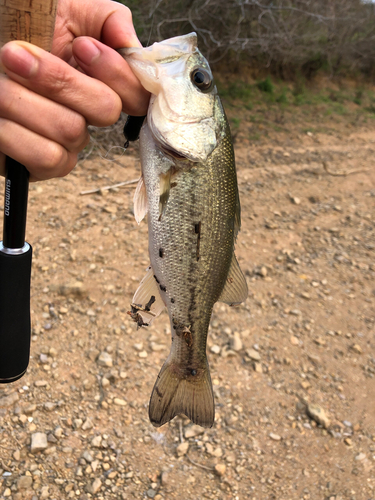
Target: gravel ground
{"points": [[293, 368]]}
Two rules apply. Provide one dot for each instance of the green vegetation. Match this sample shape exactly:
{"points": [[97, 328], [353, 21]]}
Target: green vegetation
{"points": [[269, 105]]}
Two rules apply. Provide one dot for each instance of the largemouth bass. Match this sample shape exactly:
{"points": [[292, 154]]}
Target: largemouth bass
{"points": [[189, 190]]}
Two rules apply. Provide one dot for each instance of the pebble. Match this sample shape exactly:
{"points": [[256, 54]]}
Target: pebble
{"points": [[38, 442], [97, 441], [317, 413], [164, 478], [253, 354], [120, 402], [95, 486], [275, 437], [263, 271], [105, 359], [193, 430], [24, 482], [49, 406], [357, 349], [87, 456], [294, 340], [295, 200], [44, 492], [151, 493], [220, 469], [87, 424], [215, 349], [258, 367], [9, 400], [182, 449], [360, 457], [41, 383], [235, 343]]}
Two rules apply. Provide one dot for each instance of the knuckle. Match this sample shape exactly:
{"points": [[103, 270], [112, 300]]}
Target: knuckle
{"points": [[58, 81], [110, 110], [73, 129]]}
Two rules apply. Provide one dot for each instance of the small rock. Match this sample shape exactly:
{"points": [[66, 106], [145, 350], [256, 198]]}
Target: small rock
{"points": [[263, 271], [105, 359], [258, 367], [151, 493], [38, 442], [294, 340], [295, 200], [75, 289], [87, 456], [164, 478], [58, 432], [220, 469], [253, 354], [357, 349], [24, 482], [157, 347], [215, 349], [120, 402], [235, 343], [193, 430], [318, 414], [275, 437], [49, 406], [360, 457], [97, 441], [95, 486], [41, 383], [87, 424], [182, 449], [9, 400], [30, 409], [44, 492]]}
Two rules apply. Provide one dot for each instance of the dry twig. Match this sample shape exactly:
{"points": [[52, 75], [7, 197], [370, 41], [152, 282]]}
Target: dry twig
{"points": [[113, 186], [343, 173]]}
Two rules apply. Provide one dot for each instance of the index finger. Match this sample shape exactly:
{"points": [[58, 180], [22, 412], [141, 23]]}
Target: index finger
{"points": [[55, 79]]}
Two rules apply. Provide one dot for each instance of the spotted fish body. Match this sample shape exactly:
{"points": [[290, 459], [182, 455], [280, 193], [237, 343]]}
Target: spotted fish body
{"points": [[189, 189]]}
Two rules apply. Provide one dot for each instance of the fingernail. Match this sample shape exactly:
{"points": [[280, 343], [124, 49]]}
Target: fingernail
{"points": [[86, 51], [19, 60]]}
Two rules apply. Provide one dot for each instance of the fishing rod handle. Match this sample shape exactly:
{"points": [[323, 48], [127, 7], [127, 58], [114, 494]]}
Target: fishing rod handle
{"points": [[33, 22]]}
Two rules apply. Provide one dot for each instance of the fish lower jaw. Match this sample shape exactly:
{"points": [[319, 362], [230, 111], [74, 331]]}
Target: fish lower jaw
{"points": [[172, 153]]}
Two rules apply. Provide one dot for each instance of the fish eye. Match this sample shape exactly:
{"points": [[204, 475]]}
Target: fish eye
{"points": [[201, 79]]}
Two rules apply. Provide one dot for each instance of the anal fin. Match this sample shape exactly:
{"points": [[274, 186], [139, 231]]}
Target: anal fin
{"points": [[235, 289], [147, 301]]}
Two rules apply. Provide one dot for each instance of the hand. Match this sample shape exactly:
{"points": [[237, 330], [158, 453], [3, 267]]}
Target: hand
{"points": [[47, 100]]}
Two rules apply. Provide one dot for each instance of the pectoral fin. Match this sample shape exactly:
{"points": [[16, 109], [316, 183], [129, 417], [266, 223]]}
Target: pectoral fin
{"points": [[147, 302], [235, 290], [140, 201]]}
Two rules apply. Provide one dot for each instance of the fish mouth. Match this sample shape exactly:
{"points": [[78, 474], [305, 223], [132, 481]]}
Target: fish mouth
{"points": [[172, 153]]}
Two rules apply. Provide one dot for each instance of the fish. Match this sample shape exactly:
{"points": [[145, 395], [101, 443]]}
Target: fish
{"points": [[189, 191]]}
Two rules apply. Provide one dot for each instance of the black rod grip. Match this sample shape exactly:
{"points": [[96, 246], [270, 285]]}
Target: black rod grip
{"points": [[15, 204], [15, 326]]}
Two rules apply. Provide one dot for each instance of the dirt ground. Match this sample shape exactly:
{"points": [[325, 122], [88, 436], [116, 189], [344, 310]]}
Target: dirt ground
{"points": [[76, 425]]}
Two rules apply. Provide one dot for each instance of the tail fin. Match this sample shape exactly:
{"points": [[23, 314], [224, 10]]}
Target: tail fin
{"points": [[184, 391]]}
